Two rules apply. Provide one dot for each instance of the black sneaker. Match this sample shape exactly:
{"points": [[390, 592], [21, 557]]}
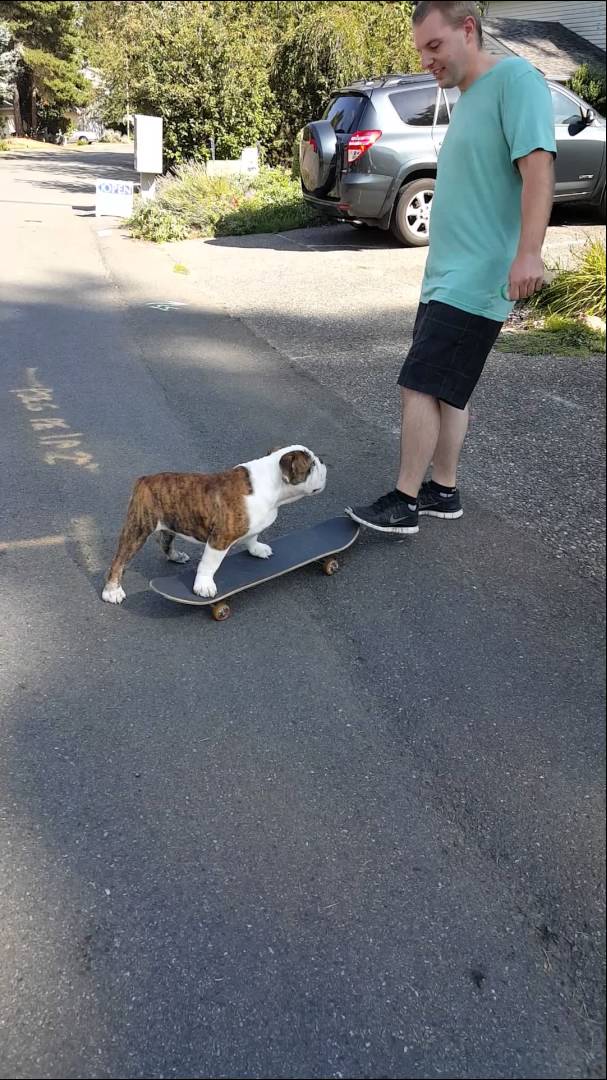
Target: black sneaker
{"points": [[433, 503], [389, 514]]}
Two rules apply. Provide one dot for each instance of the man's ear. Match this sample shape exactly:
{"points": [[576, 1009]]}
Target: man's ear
{"points": [[295, 466]]}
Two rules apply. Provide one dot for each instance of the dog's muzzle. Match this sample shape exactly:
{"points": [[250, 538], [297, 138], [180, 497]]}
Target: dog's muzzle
{"points": [[317, 479]]}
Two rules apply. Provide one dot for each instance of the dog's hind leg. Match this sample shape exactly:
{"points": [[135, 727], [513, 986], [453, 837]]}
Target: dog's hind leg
{"points": [[166, 539], [135, 531]]}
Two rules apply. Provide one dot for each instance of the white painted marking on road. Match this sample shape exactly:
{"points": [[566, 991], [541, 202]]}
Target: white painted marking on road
{"points": [[86, 536], [167, 305], [35, 542], [564, 401]]}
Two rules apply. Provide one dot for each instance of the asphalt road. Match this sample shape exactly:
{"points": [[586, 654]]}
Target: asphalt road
{"points": [[355, 831]]}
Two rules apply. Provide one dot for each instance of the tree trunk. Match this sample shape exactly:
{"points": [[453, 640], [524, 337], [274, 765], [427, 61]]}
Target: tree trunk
{"points": [[17, 113], [24, 88]]}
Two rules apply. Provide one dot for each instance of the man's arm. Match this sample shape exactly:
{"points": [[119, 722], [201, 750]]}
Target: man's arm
{"points": [[527, 270]]}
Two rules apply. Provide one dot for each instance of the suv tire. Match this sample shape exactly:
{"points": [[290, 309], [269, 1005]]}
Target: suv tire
{"points": [[410, 222]]}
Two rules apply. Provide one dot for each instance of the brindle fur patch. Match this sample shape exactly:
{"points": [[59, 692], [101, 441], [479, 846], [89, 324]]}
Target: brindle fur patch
{"points": [[295, 466], [203, 506]]}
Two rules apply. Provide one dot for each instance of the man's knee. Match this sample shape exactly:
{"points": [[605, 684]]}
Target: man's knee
{"points": [[409, 396]]}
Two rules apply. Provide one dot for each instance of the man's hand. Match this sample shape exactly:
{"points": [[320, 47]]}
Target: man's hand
{"points": [[527, 271], [526, 277]]}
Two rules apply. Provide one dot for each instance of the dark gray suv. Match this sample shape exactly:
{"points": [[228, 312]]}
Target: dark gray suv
{"points": [[372, 158]]}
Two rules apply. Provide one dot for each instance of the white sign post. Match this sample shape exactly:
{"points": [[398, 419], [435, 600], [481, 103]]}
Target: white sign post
{"points": [[148, 152], [113, 198]]}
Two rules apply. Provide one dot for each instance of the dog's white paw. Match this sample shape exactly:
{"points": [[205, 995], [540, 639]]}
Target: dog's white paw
{"points": [[205, 586], [178, 556], [260, 551], [113, 594]]}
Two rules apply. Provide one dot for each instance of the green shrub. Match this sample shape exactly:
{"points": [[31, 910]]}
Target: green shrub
{"points": [[232, 205], [589, 83], [152, 222], [579, 290], [554, 335], [258, 215], [199, 200], [111, 136], [4, 145]]}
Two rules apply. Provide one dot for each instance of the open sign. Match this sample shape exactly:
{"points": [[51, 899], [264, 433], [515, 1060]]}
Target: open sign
{"points": [[113, 198]]}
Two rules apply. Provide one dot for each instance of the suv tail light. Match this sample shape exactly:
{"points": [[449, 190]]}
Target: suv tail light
{"points": [[359, 143]]}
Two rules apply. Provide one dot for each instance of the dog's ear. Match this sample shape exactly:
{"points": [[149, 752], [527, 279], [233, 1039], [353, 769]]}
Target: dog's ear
{"points": [[295, 466]]}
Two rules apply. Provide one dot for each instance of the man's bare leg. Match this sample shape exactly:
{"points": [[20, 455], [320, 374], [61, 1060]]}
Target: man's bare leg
{"points": [[420, 431], [422, 441], [453, 428]]}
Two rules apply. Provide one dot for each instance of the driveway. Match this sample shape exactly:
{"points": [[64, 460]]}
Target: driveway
{"points": [[355, 831]]}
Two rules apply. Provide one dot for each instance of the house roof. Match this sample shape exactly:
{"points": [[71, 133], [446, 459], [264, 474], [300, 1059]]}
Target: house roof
{"points": [[549, 46]]}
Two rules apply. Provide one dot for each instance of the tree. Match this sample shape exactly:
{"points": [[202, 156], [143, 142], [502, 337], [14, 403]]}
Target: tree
{"points": [[237, 72], [330, 47], [198, 65], [48, 76], [8, 60], [9, 63]]}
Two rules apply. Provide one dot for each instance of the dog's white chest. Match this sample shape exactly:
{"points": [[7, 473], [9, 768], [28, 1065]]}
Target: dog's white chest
{"points": [[261, 516]]}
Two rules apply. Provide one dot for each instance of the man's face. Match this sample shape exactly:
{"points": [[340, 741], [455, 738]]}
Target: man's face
{"points": [[445, 50]]}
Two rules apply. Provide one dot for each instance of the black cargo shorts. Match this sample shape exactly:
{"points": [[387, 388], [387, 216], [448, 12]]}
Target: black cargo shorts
{"points": [[448, 352]]}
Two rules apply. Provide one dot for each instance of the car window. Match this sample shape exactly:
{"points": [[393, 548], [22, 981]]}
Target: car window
{"points": [[416, 107], [563, 107], [444, 113], [343, 112]]}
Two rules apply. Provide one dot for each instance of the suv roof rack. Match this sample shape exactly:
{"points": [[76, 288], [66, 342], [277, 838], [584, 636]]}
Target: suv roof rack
{"points": [[375, 81]]}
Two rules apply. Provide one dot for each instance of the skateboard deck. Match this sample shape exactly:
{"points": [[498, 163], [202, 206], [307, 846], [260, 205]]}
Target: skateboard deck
{"points": [[240, 571]]}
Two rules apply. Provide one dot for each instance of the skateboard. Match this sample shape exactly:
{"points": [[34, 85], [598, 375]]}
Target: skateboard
{"points": [[240, 571]]}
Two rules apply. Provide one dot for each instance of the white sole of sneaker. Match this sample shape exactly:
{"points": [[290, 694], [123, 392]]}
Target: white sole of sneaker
{"points": [[438, 514], [379, 528]]}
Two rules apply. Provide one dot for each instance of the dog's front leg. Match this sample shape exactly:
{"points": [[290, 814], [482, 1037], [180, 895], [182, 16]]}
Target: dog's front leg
{"points": [[212, 558], [260, 551]]}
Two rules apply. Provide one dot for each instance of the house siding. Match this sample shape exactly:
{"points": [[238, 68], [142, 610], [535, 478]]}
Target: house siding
{"points": [[586, 19]]}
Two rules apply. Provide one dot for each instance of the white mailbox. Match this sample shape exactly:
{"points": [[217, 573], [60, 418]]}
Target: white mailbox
{"points": [[148, 144]]}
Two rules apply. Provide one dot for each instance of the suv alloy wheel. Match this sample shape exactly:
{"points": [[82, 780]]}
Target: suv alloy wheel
{"points": [[410, 222]]}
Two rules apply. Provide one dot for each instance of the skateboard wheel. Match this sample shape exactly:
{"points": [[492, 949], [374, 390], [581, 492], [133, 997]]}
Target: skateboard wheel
{"points": [[330, 566], [220, 612]]}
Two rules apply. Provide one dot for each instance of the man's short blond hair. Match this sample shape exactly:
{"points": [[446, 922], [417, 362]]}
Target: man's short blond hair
{"points": [[454, 13]]}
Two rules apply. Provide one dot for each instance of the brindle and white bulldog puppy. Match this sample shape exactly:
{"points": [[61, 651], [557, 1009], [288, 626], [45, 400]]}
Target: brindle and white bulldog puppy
{"points": [[216, 508]]}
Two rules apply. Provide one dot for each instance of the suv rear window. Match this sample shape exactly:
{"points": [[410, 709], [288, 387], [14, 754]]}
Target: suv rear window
{"points": [[344, 112], [415, 107]]}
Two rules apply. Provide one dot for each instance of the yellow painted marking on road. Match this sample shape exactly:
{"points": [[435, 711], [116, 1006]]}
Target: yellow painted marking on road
{"points": [[64, 445]]}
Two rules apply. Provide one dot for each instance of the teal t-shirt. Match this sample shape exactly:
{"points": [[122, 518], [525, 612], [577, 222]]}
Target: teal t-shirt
{"points": [[475, 221]]}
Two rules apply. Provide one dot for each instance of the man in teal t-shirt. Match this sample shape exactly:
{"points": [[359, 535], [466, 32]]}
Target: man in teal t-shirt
{"points": [[491, 206]]}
